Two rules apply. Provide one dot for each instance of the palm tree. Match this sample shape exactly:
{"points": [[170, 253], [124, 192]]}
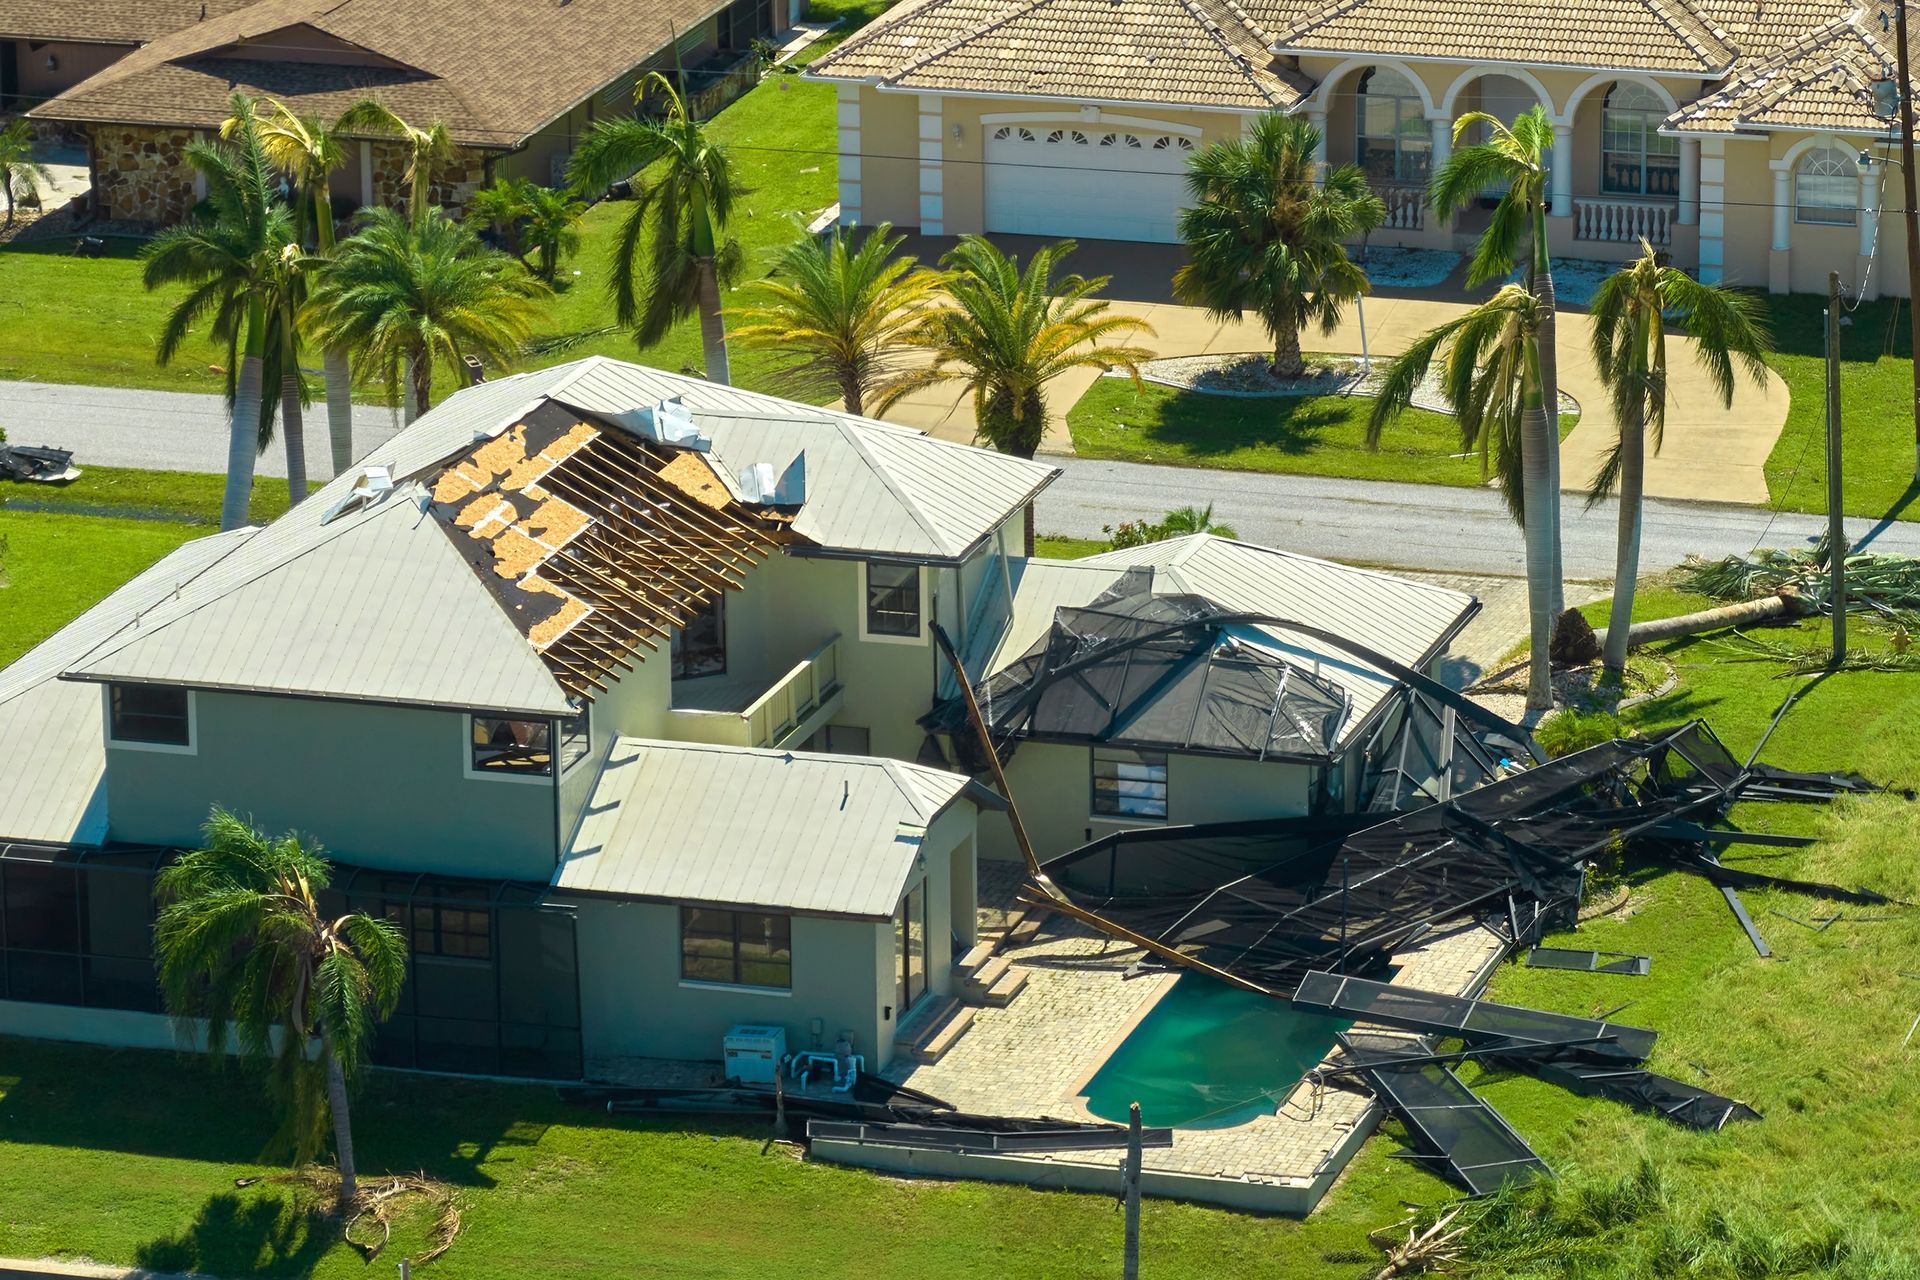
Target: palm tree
{"points": [[427, 150], [1491, 376], [401, 296], [241, 941], [20, 173], [1629, 312], [309, 150], [681, 213], [1182, 521], [1265, 234], [841, 315], [1513, 161], [1008, 333], [500, 208], [233, 255], [550, 227]]}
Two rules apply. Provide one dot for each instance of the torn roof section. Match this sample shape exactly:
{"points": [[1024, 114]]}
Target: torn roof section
{"points": [[377, 592]]}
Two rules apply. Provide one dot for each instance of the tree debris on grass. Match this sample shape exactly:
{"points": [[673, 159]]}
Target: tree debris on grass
{"points": [[369, 1224]]}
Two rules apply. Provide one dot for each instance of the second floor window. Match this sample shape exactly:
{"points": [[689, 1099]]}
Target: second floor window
{"points": [[1129, 784], [1635, 159], [893, 599], [1827, 187], [514, 747], [737, 948], [700, 648], [575, 739], [1394, 142], [151, 714]]}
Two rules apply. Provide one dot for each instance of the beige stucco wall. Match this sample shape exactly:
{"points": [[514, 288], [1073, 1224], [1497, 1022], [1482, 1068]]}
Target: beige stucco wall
{"points": [[889, 164], [1052, 783], [633, 1002], [74, 63]]}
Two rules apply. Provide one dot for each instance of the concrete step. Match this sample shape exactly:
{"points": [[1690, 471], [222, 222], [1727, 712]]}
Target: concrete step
{"points": [[1025, 929], [934, 1030], [1001, 993], [979, 955]]}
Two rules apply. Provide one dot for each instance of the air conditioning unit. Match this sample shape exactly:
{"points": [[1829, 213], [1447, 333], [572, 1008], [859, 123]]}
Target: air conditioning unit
{"points": [[753, 1054]]}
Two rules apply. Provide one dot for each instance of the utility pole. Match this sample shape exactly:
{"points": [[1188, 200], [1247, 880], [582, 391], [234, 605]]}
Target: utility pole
{"points": [[1130, 1179], [1836, 517], [1911, 210]]}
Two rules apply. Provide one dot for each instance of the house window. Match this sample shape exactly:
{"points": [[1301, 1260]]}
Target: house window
{"points": [[1826, 188], [737, 948], [576, 740], [1634, 159], [512, 747], [700, 647], [150, 715], [893, 600], [460, 930], [1129, 784], [1394, 143]]}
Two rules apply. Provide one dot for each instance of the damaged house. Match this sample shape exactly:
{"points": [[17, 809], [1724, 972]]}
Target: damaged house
{"points": [[624, 692]]}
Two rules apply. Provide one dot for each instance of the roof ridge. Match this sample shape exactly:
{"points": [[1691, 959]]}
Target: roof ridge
{"points": [[892, 18], [1214, 28], [1326, 13], [1019, 9], [1665, 9], [859, 445]]}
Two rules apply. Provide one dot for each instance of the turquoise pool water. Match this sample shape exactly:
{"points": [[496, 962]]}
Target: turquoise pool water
{"points": [[1210, 1056]]}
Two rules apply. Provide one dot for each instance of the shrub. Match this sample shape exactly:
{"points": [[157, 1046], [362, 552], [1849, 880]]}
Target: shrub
{"points": [[1575, 730]]}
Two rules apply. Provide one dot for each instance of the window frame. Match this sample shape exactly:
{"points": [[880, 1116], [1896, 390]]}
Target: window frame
{"points": [[1648, 119], [188, 748], [734, 919], [1849, 174], [524, 777], [919, 635], [1403, 104], [1129, 755], [563, 737], [718, 605]]}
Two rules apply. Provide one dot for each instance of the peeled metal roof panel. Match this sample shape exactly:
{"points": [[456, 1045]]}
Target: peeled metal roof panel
{"points": [[787, 831]]}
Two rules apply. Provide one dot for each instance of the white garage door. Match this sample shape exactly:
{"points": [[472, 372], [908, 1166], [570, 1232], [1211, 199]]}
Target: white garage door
{"points": [[1089, 182]]}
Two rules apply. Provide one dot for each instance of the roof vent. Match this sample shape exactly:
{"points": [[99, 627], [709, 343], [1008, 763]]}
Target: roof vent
{"points": [[758, 488], [670, 423], [372, 485]]}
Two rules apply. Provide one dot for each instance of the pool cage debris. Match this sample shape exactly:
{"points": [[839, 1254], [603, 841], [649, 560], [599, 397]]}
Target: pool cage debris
{"points": [[1464, 823]]}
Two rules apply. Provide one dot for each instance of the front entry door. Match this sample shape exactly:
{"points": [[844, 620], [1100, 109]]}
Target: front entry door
{"points": [[910, 949]]}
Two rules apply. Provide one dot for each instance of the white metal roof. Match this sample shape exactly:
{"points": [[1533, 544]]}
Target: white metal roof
{"points": [[730, 826], [1405, 620], [51, 787], [375, 605]]}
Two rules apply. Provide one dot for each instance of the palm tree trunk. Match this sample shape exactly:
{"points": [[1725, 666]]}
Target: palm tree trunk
{"points": [[243, 435], [419, 386], [339, 383], [1550, 396], [713, 333], [342, 1124], [1287, 360], [852, 394], [1626, 563], [293, 434], [1534, 478]]}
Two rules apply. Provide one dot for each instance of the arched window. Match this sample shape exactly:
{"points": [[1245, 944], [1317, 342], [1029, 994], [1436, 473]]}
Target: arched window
{"points": [[1826, 188], [1393, 142], [1635, 159]]}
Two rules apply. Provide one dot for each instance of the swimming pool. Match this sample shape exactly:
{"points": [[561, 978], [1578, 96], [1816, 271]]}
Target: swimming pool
{"points": [[1210, 1056]]}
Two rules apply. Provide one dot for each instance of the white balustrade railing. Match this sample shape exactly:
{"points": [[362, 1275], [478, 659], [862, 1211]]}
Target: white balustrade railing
{"points": [[794, 697], [1406, 207], [1624, 219]]}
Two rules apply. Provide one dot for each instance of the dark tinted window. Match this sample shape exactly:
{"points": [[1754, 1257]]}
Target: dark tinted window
{"points": [[893, 599], [512, 746], [700, 647], [149, 713], [739, 948]]}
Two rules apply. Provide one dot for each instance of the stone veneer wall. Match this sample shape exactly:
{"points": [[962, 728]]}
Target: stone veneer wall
{"points": [[141, 174]]}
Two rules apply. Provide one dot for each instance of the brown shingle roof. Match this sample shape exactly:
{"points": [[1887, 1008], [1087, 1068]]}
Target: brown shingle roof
{"points": [[494, 71], [1207, 53], [1823, 80], [104, 21], [1639, 35]]}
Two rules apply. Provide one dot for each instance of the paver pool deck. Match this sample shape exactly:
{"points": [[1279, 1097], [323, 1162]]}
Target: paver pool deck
{"points": [[1035, 1056]]}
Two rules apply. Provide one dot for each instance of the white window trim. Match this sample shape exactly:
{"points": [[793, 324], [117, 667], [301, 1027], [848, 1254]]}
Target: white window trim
{"points": [[736, 988], [163, 748], [860, 581], [472, 774]]}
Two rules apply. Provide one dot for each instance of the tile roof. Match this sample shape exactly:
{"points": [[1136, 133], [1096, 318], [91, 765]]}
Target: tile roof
{"points": [[468, 63], [1205, 53], [1643, 35], [732, 826], [1822, 80], [105, 21]]}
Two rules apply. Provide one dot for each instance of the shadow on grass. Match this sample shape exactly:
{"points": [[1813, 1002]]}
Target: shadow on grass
{"points": [[263, 1234], [1209, 426]]}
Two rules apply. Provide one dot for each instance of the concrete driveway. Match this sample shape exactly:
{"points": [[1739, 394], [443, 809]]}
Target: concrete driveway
{"points": [[1711, 453]]}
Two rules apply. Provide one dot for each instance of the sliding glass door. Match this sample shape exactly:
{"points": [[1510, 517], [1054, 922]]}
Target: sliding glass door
{"points": [[910, 949]]}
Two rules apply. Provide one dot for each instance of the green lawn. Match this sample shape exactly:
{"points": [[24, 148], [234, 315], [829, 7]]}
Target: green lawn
{"points": [[1876, 382], [1298, 435], [57, 566], [1061, 547], [192, 496]]}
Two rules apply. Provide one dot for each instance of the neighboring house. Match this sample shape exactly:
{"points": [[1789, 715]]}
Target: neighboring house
{"points": [[609, 685], [516, 83], [49, 46], [1730, 133]]}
